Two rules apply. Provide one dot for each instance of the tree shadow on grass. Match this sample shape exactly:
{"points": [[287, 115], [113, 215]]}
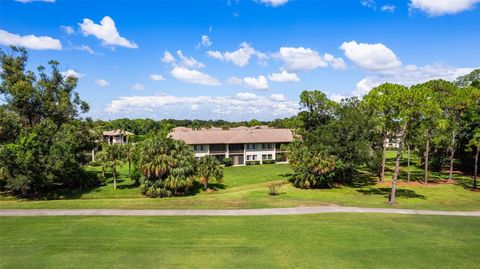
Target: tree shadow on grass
{"points": [[403, 193]]}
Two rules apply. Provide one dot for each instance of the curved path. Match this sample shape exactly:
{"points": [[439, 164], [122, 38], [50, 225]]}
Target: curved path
{"points": [[228, 212]]}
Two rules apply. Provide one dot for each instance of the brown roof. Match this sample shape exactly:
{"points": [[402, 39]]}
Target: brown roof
{"points": [[116, 132], [233, 135]]}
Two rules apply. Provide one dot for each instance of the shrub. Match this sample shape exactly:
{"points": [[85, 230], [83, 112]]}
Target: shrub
{"points": [[273, 188], [252, 162], [228, 161], [268, 161]]}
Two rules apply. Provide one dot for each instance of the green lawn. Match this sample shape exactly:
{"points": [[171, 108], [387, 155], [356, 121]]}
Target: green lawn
{"points": [[246, 187], [308, 241]]}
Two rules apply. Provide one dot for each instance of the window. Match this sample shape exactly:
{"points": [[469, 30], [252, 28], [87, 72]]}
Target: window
{"points": [[250, 146], [266, 156], [199, 147], [251, 157], [267, 146]]}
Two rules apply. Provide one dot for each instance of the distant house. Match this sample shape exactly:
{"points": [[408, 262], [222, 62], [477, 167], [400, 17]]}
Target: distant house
{"points": [[116, 136], [241, 144]]}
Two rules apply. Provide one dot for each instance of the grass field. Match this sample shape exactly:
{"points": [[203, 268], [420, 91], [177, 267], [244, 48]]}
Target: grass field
{"points": [[246, 187], [309, 241]]}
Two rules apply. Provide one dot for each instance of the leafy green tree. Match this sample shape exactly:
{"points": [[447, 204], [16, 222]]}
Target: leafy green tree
{"points": [[475, 143], [131, 155], [400, 102], [114, 157], [42, 142], [209, 169]]}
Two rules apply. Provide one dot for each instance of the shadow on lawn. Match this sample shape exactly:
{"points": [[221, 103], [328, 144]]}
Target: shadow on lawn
{"points": [[386, 192]]}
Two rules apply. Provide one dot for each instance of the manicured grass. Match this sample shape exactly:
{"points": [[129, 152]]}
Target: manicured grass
{"points": [[308, 241], [246, 187]]}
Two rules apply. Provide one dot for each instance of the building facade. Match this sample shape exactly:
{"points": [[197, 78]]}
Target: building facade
{"points": [[116, 136], [241, 144]]}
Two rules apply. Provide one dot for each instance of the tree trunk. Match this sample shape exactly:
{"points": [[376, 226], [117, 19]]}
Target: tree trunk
{"points": [[382, 172], [408, 162], [427, 150], [475, 170], [452, 155], [114, 179], [129, 163], [397, 166]]}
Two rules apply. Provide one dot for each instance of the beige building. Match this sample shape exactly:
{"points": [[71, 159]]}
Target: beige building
{"points": [[116, 136], [241, 144]]}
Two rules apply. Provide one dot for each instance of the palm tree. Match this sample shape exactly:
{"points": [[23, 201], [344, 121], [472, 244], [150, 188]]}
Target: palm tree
{"points": [[209, 169], [112, 156], [167, 164], [130, 155]]}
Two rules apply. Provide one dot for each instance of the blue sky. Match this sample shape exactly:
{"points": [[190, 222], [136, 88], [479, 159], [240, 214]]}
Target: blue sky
{"points": [[238, 60]]}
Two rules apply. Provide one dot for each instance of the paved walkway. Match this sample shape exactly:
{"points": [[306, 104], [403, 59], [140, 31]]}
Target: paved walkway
{"points": [[228, 212]]}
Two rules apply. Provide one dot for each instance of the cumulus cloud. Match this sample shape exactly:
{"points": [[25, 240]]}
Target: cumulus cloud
{"points": [[304, 59], [107, 32], [72, 73], [138, 87], [29, 41], [193, 76], [373, 57], [205, 42], [257, 83], [102, 83], [442, 7], [368, 3], [388, 8], [68, 29], [240, 56], [283, 76], [168, 57], [278, 97], [156, 77], [188, 62], [238, 107], [273, 3]]}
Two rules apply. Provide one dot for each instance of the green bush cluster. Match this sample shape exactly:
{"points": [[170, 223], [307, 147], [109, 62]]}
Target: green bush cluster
{"points": [[252, 162]]}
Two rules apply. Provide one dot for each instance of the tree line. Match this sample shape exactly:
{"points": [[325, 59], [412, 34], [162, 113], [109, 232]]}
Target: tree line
{"points": [[43, 140], [438, 120]]}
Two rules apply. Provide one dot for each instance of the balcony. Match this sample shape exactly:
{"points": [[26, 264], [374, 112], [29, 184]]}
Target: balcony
{"points": [[218, 149], [236, 148]]}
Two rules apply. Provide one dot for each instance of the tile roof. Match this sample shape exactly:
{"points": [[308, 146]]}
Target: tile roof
{"points": [[238, 135], [116, 132]]}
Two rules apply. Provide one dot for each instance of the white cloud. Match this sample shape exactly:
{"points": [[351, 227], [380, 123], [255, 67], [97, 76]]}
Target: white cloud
{"points": [[29, 41], [278, 97], [368, 3], [107, 32], [168, 57], [442, 7], [283, 76], [304, 59], [273, 3], [102, 83], [138, 87], [373, 57], [240, 56], [156, 77], [241, 106], [337, 97], [336, 63], [388, 8], [72, 73], [409, 75], [30, 1], [205, 42], [188, 62], [68, 29], [85, 48], [193, 76], [246, 96], [257, 83]]}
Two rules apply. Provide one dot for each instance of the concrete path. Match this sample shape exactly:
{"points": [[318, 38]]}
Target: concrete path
{"points": [[228, 212]]}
